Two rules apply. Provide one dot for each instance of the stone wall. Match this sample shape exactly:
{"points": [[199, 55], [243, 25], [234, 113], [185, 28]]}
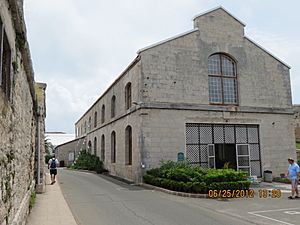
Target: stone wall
{"points": [[74, 147], [297, 122], [17, 121]]}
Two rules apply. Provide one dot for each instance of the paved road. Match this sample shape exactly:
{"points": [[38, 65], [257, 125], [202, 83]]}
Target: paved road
{"points": [[96, 200], [100, 200]]}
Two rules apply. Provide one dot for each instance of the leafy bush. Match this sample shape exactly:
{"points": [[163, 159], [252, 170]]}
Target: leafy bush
{"points": [[281, 180], [182, 176], [47, 158], [87, 161], [237, 185]]}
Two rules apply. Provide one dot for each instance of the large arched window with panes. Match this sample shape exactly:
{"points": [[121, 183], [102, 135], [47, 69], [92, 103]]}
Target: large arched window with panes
{"points": [[222, 80]]}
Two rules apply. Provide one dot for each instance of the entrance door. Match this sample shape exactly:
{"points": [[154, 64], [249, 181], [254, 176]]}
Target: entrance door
{"points": [[225, 156]]}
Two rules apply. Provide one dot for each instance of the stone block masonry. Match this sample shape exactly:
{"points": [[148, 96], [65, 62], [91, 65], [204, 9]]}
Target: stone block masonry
{"points": [[18, 116]]}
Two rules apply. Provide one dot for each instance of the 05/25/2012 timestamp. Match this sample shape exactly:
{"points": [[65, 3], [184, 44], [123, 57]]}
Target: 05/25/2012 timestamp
{"points": [[248, 193]]}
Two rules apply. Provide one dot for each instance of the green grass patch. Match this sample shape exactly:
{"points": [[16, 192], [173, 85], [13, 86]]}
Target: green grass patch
{"points": [[32, 200], [298, 145], [281, 180]]}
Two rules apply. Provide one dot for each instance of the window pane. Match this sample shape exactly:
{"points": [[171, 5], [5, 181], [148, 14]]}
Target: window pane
{"points": [[215, 91], [229, 88], [228, 67], [243, 150], [214, 65]]}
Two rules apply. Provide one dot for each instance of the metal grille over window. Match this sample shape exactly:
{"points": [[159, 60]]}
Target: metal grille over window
{"points": [[203, 141], [222, 79]]}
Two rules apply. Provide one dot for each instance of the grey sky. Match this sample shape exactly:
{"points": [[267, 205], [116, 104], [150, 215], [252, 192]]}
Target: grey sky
{"points": [[80, 46]]}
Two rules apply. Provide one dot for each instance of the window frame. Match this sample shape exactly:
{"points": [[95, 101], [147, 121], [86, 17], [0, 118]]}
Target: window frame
{"points": [[113, 147], [113, 107], [95, 119], [128, 145], [222, 78], [128, 96], [103, 114]]}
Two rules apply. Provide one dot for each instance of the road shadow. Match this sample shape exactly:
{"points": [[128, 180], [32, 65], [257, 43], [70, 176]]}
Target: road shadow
{"points": [[131, 186]]}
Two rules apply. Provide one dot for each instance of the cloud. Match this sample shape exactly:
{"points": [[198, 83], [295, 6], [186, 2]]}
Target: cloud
{"points": [[79, 47]]}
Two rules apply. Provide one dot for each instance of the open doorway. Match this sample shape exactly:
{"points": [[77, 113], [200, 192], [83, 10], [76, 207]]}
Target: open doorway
{"points": [[225, 155]]}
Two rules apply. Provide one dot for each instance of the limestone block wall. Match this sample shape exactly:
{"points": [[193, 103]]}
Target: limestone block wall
{"points": [[62, 151], [119, 168], [17, 124], [177, 70], [164, 135], [297, 122]]}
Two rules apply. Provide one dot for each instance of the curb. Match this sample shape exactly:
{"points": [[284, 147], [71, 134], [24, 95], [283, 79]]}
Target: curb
{"points": [[181, 194]]}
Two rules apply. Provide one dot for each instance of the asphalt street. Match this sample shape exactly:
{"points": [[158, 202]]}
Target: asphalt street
{"points": [[100, 200]]}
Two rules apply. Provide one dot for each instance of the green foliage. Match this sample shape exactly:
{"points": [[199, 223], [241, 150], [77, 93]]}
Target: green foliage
{"points": [[182, 176], [47, 158], [237, 185], [87, 161], [281, 180], [15, 67], [32, 200], [298, 145]]}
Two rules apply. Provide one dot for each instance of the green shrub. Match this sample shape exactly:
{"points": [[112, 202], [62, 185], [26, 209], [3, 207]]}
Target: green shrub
{"points": [[281, 180], [87, 161], [47, 158], [237, 185], [181, 176]]}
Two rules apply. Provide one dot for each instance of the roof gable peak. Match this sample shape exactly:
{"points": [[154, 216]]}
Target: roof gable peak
{"points": [[217, 8]]}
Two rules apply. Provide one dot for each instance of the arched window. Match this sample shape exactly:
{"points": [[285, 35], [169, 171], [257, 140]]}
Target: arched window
{"points": [[103, 148], [128, 95], [89, 147], [95, 119], [113, 147], [113, 106], [84, 126], [90, 123], [222, 79], [95, 146], [128, 145], [103, 114]]}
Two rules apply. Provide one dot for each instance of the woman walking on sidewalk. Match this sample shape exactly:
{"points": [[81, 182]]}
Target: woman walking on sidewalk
{"points": [[52, 165]]}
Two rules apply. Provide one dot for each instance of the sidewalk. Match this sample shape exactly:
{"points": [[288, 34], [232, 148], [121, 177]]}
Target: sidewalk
{"points": [[51, 208]]}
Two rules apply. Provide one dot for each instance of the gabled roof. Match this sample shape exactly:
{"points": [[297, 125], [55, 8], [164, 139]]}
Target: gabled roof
{"points": [[262, 48], [167, 40], [214, 9]]}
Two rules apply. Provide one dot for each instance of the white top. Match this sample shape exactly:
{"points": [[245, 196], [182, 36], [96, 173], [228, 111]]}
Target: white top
{"points": [[49, 163]]}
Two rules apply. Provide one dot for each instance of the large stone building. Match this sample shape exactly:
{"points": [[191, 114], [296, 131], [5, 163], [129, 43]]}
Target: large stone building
{"points": [[211, 93], [297, 122], [19, 116]]}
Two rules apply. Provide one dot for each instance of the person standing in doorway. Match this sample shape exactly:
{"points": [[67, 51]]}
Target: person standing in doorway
{"points": [[52, 165], [293, 175]]}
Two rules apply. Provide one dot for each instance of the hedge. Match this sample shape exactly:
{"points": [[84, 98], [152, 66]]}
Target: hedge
{"points": [[181, 176]]}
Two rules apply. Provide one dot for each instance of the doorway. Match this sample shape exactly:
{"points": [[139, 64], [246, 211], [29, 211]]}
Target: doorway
{"points": [[225, 156]]}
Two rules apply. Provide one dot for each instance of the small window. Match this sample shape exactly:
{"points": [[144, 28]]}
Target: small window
{"points": [[90, 123], [222, 79], [128, 100], [85, 126], [103, 148], [103, 114], [95, 119], [113, 106], [113, 147], [128, 145]]}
